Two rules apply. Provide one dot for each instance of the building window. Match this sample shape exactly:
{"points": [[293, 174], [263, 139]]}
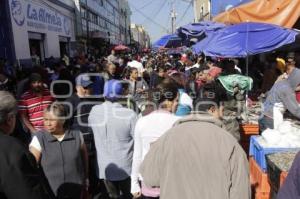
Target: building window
{"points": [[83, 12], [94, 18]]}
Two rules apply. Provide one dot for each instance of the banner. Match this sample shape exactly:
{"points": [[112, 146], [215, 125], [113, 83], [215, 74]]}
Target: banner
{"points": [[39, 17]]}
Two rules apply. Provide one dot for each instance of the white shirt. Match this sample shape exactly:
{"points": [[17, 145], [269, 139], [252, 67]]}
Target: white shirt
{"points": [[138, 65], [186, 100], [147, 130], [194, 66]]}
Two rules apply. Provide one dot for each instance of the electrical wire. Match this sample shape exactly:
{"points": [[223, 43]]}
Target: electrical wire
{"points": [[161, 7], [158, 11], [185, 12], [147, 4], [149, 18]]}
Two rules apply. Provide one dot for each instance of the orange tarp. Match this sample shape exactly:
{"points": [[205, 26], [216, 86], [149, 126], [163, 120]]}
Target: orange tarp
{"points": [[280, 12]]}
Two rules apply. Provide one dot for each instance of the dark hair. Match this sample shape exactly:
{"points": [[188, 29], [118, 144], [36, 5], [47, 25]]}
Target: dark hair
{"points": [[131, 69], [179, 79], [204, 104], [162, 68], [164, 91]]}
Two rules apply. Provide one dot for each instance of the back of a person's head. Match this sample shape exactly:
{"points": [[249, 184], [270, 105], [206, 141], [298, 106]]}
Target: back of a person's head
{"points": [[8, 106], [204, 104], [164, 91], [113, 90], [179, 79]]}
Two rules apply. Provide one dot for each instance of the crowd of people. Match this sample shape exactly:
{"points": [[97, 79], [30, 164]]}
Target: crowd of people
{"points": [[148, 125]]}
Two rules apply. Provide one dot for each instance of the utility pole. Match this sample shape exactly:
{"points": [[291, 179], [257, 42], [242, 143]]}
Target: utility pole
{"points": [[173, 17], [87, 27]]}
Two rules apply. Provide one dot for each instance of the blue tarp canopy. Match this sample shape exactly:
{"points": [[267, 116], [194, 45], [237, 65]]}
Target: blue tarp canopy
{"points": [[245, 39], [168, 41], [198, 30]]}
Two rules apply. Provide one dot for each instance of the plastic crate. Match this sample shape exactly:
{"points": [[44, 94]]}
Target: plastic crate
{"points": [[259, 153], [259, 179]]}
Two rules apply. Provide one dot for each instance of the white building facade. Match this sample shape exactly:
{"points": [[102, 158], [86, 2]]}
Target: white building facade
{"points": [[41, 29]]}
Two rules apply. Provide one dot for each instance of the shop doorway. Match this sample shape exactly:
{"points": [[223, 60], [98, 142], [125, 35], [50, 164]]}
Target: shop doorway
{"points": [[37, 50], [64, 46]]}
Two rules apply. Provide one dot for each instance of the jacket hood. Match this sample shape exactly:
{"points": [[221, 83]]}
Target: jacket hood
{"points": [[199, 117], [294, 78]]}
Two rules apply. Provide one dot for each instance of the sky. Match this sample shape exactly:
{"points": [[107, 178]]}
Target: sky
{"points": [[155, 16]]}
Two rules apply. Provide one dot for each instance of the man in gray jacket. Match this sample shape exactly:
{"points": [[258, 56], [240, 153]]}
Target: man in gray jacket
{"points": [[283, 91], [197, 159]]}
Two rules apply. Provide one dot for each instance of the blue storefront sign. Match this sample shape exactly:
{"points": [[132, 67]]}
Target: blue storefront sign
{"points": [[39, 17], [218, 6]]}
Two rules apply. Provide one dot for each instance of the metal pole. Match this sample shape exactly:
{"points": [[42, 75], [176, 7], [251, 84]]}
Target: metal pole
{"points": [[173, 17], [195, 11], [87, 26], [126, 28], [247, 69]]}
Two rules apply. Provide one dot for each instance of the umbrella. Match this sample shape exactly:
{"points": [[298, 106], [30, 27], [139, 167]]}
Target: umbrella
{"points": [[198, 30], [168, 41], [245, 39], [120, 47]]}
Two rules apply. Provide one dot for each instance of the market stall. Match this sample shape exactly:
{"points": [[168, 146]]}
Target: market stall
{"points": [[271, 156], [243, 40]]}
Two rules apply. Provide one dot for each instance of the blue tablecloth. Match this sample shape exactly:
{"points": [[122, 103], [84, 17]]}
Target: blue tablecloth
{"points": [[259, 152]]}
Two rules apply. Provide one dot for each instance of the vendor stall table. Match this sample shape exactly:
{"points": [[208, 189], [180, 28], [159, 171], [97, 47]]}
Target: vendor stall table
{"points": [[278, 165], [259, 149]]}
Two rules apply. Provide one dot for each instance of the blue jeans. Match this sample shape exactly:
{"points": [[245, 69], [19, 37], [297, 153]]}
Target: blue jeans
{"points": [[264, 123]]}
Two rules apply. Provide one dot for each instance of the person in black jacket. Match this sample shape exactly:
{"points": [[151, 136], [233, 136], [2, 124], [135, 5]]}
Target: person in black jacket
{"points": [[19, 175]]}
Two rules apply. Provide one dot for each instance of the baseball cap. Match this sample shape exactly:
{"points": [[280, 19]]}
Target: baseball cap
{"points": [[290, 55], [112, 89], [83, 80], [35, 77]]}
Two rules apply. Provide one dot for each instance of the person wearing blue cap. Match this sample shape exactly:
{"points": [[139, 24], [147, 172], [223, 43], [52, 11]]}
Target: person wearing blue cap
{"points": [[113, 127]]}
